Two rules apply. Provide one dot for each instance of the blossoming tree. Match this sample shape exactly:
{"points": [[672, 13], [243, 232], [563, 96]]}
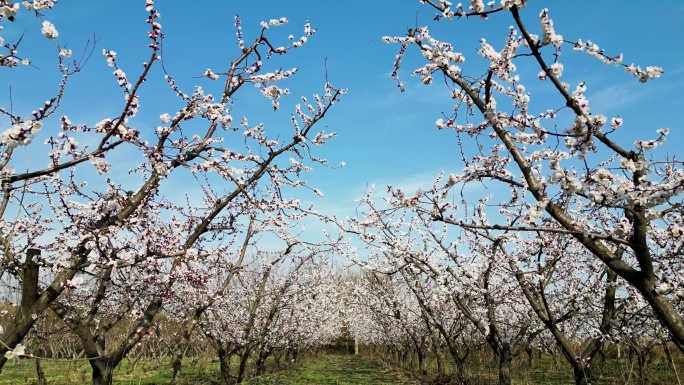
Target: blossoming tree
{"points": [[275, 305], [565, 168], [108, 241]]}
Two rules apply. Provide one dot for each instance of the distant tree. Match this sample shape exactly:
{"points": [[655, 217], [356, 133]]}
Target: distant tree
{"points": [[279, 302], [382, 313]]}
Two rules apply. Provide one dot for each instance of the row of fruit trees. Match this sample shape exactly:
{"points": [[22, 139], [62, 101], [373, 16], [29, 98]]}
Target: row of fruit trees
{"points": [[576, 245]]}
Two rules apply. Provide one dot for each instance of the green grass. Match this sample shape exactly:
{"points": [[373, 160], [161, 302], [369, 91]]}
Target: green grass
{"points": [[23, 372], [483, 370], [322, 369], [334, 369], [342, 369]]}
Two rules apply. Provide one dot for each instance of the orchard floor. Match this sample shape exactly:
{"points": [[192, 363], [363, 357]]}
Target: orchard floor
{"points": [[321, 369], [324, 369], [335, 369]]}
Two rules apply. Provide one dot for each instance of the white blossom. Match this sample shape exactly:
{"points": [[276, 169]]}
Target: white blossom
{"points": [[49, 30], [18, 351]]}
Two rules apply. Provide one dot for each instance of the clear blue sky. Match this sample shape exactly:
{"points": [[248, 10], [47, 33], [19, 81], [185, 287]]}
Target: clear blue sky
{"points": [[385, 137]]}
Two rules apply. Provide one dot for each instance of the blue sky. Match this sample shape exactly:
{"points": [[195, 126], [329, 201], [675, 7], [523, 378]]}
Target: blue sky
{"points": [[384, 136]]}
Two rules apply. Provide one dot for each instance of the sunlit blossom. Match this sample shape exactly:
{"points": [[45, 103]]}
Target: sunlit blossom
{"points": [[49, 30]]}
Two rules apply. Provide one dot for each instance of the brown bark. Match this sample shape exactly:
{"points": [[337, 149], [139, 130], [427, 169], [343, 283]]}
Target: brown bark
{"points": [[505, 360], [224, 362]]}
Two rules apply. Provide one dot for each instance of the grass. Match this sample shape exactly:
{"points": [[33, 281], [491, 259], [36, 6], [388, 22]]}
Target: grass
{"points": [[322, 369], [610, 372], [23, 372], [338, 369], [334, 369], [483, 370]]}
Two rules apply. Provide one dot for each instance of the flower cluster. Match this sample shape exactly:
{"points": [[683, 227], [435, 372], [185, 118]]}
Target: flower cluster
{"points": [[49, 30], [8, 11], [101, 165], [18, 351], [20, 134], [117, 129], [210, 75], [592, 49], [477, 5], [39, 5], [272, 77], [121, 79], [110, 56], [549, 35], [133, 104], [651, 72], [507, 4], [274, 23], [273, 93]]}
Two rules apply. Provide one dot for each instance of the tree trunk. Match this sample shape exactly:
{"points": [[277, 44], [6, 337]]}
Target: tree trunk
{"points": [[641, 361], [224, 362], [438, 355], [179, 351], [581, 373], [601, 356], [177, 365], [103, 363], [421, 363], [103, 371], [243, 366], [261, 361], [668, 354], [505, 359], [23, 319], [458, 360], [181, 348], [41, 373]]}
